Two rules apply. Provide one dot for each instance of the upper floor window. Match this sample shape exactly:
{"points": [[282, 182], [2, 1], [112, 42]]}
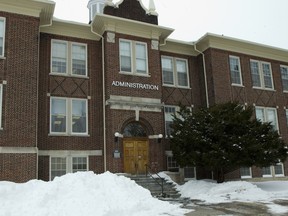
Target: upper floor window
{"points": [[69, 58], [174, 72], [284, 76], [68, 116], [133, 57], [261, 74], [235, 70], [265, 114], [2, 36]]}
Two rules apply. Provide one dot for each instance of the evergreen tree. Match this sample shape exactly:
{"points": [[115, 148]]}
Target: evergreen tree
{"points": [[223, 138]]}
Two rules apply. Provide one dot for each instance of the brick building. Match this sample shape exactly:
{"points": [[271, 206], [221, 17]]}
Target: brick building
{"points": [[99, 96]]}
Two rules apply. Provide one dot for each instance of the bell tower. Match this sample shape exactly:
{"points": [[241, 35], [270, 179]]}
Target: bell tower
{"points": [[97, 6]]}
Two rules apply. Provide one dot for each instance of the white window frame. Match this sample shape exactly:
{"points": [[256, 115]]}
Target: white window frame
{"points": [[133, 58], [239, 70], [3, 19], [272, 171], [246, 176], [282, 167], [175, 72], [261, 75], [171, 160], [166, 117], [69, 163], [69, 59], [1, 104], [69, 117], [195, 173], [267, 175], [265, 111], [285, 67]]}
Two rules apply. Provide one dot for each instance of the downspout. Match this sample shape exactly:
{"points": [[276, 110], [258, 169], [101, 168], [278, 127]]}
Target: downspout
{"points": [[37, 109], [205, 74], [103, 102]]}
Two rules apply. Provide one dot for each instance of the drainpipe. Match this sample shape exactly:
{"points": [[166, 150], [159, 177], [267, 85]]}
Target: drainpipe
{"points": [[37, 110], [103, 102], [205, 74]]}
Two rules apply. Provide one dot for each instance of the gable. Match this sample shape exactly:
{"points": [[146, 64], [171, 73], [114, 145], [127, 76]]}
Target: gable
{"points": [[131, 9]]}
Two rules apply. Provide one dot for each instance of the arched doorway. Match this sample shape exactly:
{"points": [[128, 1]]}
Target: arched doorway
{"points": [[135, 148]]}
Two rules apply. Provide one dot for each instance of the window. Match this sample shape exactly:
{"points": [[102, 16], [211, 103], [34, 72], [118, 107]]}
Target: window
{"points": [[267, 115], [235, 70], [133, 57], [58, 167], [174, 72], [276, 171], [267, 171], [261, 74], [169, 112], [68, 58], [190, 173], [79, 164], [68, 116], [279, 170], [172, 165], [67, 164], [2, 36], [245, 172], [284, 76], [1, 99]]}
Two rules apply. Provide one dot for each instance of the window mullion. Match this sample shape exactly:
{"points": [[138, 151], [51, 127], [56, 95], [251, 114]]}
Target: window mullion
{"points": [[69, 58], [69, 118], [175, 74], [133, 57]]}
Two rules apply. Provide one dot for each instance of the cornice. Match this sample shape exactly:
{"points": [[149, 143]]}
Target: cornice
{"points": [[102, 23], [43, 9], [241, 46], [70, 29]]}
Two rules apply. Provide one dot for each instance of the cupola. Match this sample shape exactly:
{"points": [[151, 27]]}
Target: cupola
{"points": [[97, 6]]}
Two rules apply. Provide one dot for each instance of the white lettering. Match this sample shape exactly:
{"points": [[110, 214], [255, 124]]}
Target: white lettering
{"points": [[135, 85]]}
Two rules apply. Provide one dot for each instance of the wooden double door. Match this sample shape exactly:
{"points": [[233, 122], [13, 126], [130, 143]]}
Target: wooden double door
{"points": [[136, 155]]}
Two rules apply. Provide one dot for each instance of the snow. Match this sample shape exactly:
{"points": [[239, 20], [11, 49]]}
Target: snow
{"points": [[82, 194], [107, 194]]}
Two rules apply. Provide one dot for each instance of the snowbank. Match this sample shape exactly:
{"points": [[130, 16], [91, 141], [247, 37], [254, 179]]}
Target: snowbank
{"points": [[82, 194]]}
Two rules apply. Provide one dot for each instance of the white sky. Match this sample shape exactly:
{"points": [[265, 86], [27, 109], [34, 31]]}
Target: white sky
{"points": [[260, 21]]}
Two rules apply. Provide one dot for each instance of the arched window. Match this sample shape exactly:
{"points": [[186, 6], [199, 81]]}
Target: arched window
{"points": [[134, 129]]}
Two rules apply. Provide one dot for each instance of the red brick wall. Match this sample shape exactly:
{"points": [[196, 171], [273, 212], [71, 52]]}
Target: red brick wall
{"points": [[18, 167], [20, 70], [71, 87]]}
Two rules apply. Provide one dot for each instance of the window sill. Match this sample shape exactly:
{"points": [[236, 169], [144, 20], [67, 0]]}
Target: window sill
{"points": [[180, 87], [69, 75], [237, 85], [68, 135], [2, 57], [134, 74], [246, 177], [264, 89]]}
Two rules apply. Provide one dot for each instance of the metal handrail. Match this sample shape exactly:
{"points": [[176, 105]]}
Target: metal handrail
{"points": [[159, 177]]}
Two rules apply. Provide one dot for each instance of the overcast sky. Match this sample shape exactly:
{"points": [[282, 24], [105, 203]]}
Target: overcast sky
{"points": [[260, 21]]}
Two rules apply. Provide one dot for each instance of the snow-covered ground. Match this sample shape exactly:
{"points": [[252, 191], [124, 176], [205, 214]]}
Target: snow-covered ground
{"points": [[108, 194]]}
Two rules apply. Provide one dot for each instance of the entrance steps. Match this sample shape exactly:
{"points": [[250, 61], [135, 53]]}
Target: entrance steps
{"points": [[154, 185]]}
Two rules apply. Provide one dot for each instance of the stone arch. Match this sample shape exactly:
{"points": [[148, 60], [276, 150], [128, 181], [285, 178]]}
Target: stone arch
{"points": [[132, 128]]}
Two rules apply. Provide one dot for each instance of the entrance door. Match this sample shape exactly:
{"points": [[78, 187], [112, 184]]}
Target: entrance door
{"points": [[135, 155]]}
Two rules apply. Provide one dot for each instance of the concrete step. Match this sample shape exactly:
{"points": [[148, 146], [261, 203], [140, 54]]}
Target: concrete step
{"points": [[169, 189]]}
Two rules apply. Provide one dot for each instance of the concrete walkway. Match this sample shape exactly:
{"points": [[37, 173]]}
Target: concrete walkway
{"points": [[235, 209]]}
